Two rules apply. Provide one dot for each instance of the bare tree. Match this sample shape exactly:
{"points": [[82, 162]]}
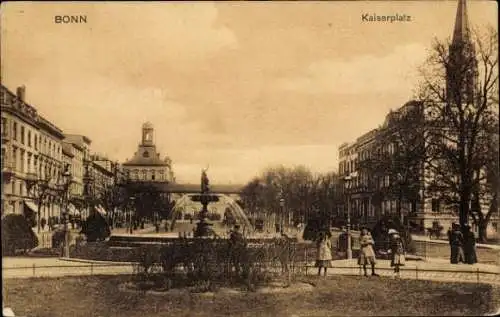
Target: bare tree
{"points": [[40, 189], [305, 195], [459, 92]]}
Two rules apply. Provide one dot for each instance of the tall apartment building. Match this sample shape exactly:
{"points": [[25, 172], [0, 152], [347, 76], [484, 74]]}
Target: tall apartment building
{"points": [[100, 181], [31, 152], [369, 190], [78, 147]]}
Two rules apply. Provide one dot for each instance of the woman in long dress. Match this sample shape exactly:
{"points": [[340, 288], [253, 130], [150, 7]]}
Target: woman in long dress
{"points": [[324, 258]]}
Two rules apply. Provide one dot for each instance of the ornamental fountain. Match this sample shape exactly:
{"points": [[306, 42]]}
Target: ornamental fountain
{"points": [[203, 228]]}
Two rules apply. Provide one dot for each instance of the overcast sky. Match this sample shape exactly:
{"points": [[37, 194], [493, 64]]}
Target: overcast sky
{"points": [[234, 86]]}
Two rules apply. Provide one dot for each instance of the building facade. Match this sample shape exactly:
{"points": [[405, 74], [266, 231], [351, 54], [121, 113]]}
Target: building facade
{"points": [[370, 190], [101, 179], [146, 165], [31, 154], [79, 147]]}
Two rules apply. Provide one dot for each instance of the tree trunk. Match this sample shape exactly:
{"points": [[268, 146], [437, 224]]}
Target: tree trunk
{"points": [[482, 226], [464, 208], [399, 210]]}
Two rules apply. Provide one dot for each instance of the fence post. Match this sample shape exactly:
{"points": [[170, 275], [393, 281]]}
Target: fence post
{"points": [[477, 274], [91, 269], [305, 257], [33, 269], [416, 272]]}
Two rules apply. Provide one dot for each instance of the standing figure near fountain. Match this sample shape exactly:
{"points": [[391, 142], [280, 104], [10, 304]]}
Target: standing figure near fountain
{"points": [[236, 248]]}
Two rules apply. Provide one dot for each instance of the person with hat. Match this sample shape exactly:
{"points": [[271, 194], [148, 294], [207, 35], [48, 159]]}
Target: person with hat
{"points": [[456, 245], [469, 246], [366, 252], [397, 250]]}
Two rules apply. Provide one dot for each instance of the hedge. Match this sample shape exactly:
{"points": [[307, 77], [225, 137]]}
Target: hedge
{"points": [[17, 234]]}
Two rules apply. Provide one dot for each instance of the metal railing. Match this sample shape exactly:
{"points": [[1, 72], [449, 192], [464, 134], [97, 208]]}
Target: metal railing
{"points": [[417, 273]]}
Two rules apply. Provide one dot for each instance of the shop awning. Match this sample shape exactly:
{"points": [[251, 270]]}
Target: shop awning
{"points": [[31, 205]]}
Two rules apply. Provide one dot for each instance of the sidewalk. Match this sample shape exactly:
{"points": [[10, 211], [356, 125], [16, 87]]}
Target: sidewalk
{"points": [[55, 267], [425, 238], [432, 269], [478, 245]]}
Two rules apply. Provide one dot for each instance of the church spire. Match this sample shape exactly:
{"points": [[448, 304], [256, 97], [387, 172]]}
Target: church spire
{"points": [[461, 33], [462, 71]]}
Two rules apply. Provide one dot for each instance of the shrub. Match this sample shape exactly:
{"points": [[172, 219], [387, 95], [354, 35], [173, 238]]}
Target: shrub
{"points": [[17, 234], [96, 228], [209, 262], [313, 227]]}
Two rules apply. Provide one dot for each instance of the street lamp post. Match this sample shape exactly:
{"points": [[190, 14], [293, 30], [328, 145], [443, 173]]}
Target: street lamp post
{"points": [[348, 183], [66, 177], [132, 200], [400, 207], [282, 204]]}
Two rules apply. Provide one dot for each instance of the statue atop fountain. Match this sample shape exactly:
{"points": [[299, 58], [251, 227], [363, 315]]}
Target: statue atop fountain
{"points": [[203, 228]]}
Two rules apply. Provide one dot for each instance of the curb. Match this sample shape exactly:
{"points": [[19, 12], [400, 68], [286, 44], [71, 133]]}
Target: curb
{"points": [[94, 261]]}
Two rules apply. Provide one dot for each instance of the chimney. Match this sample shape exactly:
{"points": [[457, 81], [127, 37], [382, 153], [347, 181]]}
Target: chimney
{"points": [[21, 93]]}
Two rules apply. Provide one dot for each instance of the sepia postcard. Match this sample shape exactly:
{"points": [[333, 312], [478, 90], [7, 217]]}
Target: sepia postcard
{"points": [[250, 158]]}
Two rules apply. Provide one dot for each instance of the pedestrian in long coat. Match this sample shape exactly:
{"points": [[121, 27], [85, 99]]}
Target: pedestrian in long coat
{"points": [[342, 244], [456, 245], [366, 252], [324, 257], [397, 250], [470, 246]]}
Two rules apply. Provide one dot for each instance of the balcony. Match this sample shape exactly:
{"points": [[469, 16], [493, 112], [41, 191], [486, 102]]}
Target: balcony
{"points": [[7, 171], [5, 135]]}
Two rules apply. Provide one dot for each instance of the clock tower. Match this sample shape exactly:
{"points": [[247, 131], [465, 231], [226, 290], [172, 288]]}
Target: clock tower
{"points": [[146, 164], [147, 134]]}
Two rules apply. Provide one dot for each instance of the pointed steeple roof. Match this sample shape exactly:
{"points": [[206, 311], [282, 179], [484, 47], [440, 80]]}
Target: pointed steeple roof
{"points": [[461, 33]]}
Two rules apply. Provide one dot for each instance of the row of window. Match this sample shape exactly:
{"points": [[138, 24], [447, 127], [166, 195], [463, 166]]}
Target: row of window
{"points": [[26, 137], [28, 162], [146, 174]]}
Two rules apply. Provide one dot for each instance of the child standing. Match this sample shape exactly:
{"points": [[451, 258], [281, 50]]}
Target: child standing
{"points": [[397, 251], [366, 252], [324, 259]]}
